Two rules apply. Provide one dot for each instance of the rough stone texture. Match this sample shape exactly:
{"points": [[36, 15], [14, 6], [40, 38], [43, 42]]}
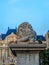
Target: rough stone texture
{"points": [[25, 30], [25, 45], [28, 59]]}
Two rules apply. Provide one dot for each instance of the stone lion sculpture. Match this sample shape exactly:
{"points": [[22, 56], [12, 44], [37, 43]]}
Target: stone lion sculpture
{"points": [[26, 32]]}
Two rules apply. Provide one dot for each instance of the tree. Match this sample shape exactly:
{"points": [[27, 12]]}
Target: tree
{"points": [[44, 57]]}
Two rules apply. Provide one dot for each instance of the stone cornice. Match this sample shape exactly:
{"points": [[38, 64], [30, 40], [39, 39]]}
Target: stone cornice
{"points": [[35, 46]]}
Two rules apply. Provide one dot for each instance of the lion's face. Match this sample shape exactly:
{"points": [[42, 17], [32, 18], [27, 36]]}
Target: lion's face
{"points": [[25, 29]]}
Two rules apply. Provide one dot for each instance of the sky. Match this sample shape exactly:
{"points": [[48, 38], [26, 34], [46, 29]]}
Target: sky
{"points": [[14, 12]]}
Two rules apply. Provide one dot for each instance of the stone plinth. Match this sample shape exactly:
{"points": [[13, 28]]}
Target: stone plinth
{"points": [[27, 54], [27, 58]]}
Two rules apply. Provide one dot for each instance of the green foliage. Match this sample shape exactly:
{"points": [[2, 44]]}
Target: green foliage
{"points": [[44, 57], [40, 41]]}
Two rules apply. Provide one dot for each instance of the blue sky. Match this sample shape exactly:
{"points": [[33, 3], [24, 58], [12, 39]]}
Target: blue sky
{"points": [[14, 12]]}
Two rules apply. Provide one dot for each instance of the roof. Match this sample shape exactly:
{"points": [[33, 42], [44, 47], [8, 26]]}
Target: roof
{"points": [[48, 31], [41, 37], [9, 31], [3, 36]]}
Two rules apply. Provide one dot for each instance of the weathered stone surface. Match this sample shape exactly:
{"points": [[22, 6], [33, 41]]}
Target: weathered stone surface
{"points": [[24, 39], [24, 30], [28, 59]]}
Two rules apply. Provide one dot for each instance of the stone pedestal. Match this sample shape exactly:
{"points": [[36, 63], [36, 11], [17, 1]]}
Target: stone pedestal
{"points": [[27, 54], [28, 59]]}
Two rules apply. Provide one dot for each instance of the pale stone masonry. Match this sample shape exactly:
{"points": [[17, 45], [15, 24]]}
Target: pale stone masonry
{"points": [[27, 54], [28, 59]]}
